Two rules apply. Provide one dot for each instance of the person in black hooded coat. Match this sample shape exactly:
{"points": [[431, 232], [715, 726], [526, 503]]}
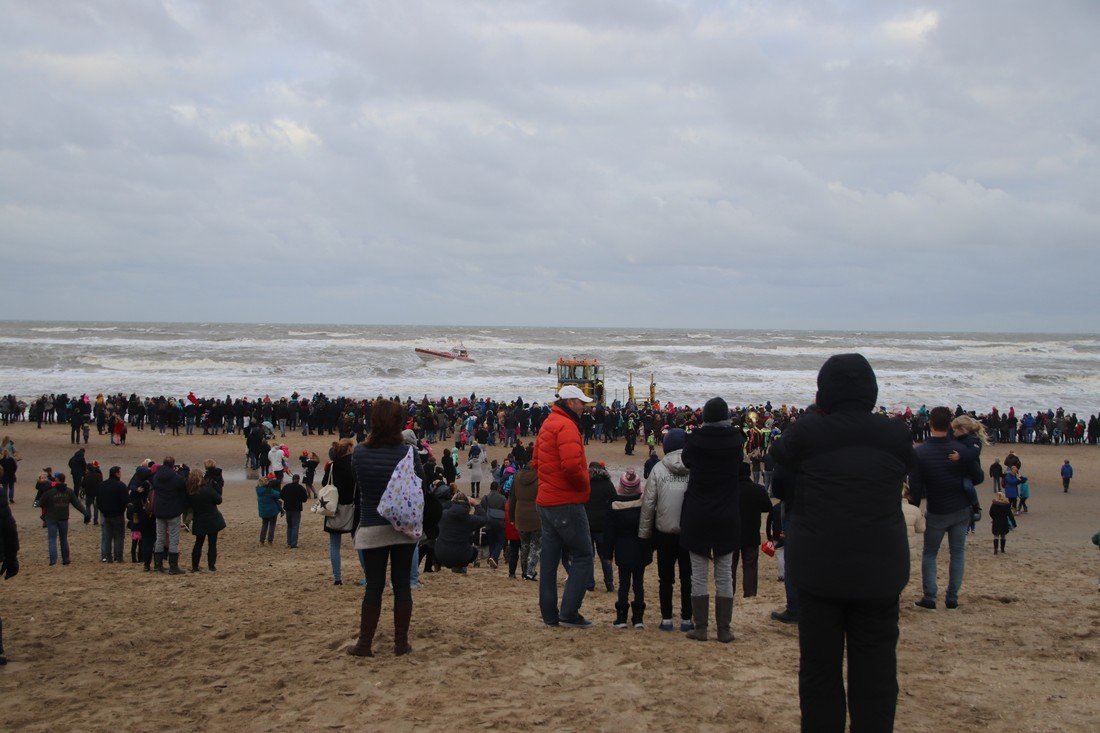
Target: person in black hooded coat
{"points": [[710, 521], [847, 547]]}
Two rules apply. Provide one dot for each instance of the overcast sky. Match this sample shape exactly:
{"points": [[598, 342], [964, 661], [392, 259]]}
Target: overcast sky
{"points": [[820, 164]]}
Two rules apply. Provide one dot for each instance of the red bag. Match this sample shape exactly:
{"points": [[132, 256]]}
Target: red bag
{"points": [[768, 548]]}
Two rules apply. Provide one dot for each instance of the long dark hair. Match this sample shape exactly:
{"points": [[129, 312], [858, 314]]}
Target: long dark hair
{"points": [[387, 418]]}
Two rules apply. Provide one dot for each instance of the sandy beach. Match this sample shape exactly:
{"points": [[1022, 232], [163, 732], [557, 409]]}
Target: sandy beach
{"points": [[259, 645]]}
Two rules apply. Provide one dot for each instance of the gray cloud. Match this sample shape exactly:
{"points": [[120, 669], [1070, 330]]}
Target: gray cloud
{"points": [[799, 165]]}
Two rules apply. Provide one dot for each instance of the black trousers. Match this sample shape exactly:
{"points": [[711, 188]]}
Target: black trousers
{"points": [[669, 556], [631, 579], [212, 552], [400, 559], [750, 560], [869, 628]]}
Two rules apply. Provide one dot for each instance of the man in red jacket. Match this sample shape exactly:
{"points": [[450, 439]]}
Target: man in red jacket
{"points": [[563, 491]]}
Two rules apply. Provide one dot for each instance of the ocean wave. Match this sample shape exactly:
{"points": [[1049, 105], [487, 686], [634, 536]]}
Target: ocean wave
{"points": [[123, 364]]}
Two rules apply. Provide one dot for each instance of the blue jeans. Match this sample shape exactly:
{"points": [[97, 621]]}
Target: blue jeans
{"points": [[55, 531], [605, 565], [954, 526], [293, 522], [564, 528], [334, 554], [495, 540], [110, 538], [414, 576]]}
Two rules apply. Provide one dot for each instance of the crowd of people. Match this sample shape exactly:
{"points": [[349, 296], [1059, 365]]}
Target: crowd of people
{"points": [[828, 480], [469, 419]]}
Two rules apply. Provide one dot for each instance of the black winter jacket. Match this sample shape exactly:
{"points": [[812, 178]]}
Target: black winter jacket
{"points": [[9, 534], [847, 536], [710, 520], [453, 547], [599, 501], [620, 533], [754, 504], [169, 498], [112, 498], [939, 479]]}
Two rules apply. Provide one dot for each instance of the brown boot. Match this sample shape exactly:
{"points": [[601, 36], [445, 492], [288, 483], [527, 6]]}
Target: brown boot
{"points": [[402, 615], [368, 622]]}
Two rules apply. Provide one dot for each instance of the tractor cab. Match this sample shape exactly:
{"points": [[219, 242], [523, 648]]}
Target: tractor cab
{"points": [[587, 374]]}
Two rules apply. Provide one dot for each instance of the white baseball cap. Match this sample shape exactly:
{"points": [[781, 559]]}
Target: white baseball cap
{"points": [[572, 392]]}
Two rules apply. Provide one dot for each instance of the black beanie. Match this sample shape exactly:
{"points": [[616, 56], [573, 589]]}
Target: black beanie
{"points": [[716, 410]]}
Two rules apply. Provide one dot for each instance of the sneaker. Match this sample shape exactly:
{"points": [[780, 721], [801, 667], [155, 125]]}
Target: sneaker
{"points": [[639, 625], [785, 617], [951, 604], [103, 559], [666, 625], [926, 603], [619, 624], [551, 624], [687, 625], [577, 622], [491, 563], [415, 586]]}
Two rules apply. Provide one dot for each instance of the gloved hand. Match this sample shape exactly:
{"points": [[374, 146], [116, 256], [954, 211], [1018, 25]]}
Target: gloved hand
{"points": [[9, 568], [976, 513]]}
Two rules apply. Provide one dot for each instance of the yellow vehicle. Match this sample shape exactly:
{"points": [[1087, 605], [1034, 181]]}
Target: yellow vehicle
{"points": [[587, 374]]}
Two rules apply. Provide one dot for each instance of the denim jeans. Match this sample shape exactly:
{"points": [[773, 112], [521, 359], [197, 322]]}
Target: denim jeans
{"points": [[954, 526], [334, 554], [564, 528], [414, 575], [110, 538], [57, 531], [267, 529], [495, 540], [293, 522], [605, 564]]}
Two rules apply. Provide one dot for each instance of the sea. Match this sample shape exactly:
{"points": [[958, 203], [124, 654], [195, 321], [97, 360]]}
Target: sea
{"points": [[746, 367]]}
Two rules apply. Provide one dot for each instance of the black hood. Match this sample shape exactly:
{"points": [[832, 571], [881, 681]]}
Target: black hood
{"points": [[846, 382]]}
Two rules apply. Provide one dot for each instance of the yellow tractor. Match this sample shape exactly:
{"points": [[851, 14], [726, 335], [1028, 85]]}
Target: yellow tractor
{"points": [[584, 373]]}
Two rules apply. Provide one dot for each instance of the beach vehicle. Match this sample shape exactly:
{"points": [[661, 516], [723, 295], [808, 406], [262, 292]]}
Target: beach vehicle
{"points": [[584, 373], [458, 353]]}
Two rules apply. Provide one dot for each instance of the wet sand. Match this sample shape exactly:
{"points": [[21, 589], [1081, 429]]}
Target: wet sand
{"points": [[259, 644]]}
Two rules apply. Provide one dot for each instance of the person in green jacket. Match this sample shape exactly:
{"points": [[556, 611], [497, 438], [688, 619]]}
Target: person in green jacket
{"points": [[204, 495], [56, 501]]}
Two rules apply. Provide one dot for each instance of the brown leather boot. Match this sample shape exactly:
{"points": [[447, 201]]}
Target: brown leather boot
{"points": [[402, 615], [368, 622]]}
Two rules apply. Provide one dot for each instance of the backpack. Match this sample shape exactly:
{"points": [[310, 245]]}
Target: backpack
{"points": [[328, 498], [402, 504]]}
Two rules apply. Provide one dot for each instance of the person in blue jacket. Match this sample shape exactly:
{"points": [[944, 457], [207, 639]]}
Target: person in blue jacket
{"points": [[270, 506], [1067, 474]]}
